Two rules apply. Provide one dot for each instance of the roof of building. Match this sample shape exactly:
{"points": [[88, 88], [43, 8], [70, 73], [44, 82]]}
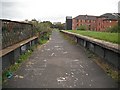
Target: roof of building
{"points": [[86, 17], [108, 16], [69, 17], [111, 16]]}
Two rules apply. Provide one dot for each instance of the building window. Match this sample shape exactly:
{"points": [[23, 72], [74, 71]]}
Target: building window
{"points": [[99, 23], [89, 21], [77, 20]]}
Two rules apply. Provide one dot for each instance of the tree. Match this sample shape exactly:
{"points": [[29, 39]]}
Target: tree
{"points": [[48, 23], [82, 27], [59, 26], [114, 29]]}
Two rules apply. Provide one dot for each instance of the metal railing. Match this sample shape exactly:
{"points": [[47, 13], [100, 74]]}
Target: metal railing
{"points": [[14, 32]]}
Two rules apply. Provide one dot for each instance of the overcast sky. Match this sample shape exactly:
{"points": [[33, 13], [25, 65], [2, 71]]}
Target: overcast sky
{"points": [[55, 10]]}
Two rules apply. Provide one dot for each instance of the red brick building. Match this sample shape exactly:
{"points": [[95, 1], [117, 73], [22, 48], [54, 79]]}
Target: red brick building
{"points": [[89, 21], [96, 23]]}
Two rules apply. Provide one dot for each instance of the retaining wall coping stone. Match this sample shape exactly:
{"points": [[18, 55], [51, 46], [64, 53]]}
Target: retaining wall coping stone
{"points": [[108, 45], [13, 47]]}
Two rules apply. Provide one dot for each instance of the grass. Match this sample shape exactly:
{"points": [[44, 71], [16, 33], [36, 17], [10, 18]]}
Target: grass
{"points": [[110, 37], [42, 41]]}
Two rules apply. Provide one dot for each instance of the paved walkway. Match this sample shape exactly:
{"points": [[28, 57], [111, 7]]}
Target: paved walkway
{"points": [[60, 64]]}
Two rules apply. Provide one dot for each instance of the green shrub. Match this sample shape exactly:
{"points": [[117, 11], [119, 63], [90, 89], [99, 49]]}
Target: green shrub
{"points": [[82, 27], [114, 29]]}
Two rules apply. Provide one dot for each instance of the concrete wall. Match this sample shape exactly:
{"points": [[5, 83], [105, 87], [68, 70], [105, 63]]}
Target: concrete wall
{"points": [[11, 57], [7, 60]]}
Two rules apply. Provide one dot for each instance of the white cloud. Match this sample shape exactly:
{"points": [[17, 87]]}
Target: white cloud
{"points": [[56, 10]]}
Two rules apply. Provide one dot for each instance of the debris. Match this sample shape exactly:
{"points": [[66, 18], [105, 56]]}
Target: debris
{"points": [[74, 85], [52, 54], [61, 79], [16, 63], [44, 60], [27, 65], [72, 73], [57, 46], [65, 52], [76, 79], [16, 76], [76, 60], [60, 49], [91, 80], [90, 85], [81, 66], [21, 77], [42, 50], [9, 75], [28, 50], [48, 49], [30, 63]]}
